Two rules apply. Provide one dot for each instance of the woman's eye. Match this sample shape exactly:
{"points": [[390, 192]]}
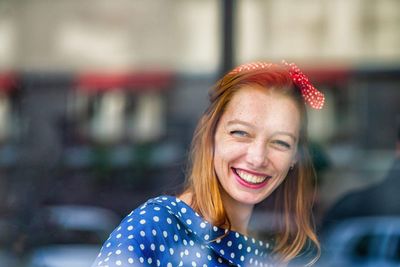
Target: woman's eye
{"points": [[239, 133], [282, 144]]}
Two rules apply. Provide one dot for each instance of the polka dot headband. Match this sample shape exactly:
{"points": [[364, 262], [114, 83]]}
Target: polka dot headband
{"points": [[311, 95]]}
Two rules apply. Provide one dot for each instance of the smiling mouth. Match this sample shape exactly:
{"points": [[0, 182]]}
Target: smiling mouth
{"points": [[251, 178]]}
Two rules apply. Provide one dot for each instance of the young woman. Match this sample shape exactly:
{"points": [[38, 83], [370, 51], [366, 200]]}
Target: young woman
{"points": [[250, 146]]}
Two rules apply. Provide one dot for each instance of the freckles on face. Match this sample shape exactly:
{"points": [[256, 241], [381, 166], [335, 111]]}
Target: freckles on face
{"points": [[255, 143]]}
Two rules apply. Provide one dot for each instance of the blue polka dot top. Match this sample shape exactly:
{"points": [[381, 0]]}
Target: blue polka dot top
{"points": [[165, 231]]}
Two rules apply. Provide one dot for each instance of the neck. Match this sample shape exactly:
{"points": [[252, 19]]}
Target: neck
{"points": [[239, 214]]}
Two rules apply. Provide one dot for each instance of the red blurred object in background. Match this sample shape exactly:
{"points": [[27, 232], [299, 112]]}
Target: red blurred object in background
{"points": [[8, 81], [132, 81]]}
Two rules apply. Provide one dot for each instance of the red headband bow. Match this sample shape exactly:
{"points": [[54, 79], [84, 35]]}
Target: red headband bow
{"points": [[311, 95]]}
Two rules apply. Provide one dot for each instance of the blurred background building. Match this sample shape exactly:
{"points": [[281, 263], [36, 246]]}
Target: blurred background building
{"points": [[99, 99]]}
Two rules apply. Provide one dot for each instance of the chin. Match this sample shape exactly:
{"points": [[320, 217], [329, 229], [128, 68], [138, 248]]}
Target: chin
{"points": [[248, 198]]}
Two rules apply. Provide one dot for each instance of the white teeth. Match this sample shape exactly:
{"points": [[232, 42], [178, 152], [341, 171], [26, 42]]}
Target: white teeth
{"points": [[255, 179]]}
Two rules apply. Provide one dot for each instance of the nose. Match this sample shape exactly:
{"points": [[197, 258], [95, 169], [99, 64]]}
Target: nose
{"points": [[257, 155]]}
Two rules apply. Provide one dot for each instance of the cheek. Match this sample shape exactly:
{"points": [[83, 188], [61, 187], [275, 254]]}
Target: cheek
{"points": [[282, 162], [227, 151], [221, 159]]}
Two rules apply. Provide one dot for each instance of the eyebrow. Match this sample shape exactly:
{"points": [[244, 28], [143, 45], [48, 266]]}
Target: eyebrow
{"points": [[236, 121]]}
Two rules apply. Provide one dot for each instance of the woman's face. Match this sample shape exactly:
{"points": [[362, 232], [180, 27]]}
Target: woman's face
{"points": [[255, 144]]}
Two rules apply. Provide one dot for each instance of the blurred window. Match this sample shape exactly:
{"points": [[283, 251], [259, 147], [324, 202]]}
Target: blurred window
{"points": [[367, 246]]}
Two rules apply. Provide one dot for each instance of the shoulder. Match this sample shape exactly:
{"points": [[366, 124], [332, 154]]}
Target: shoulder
{"points": [[155, 215], [141, 234], [145, 214]]}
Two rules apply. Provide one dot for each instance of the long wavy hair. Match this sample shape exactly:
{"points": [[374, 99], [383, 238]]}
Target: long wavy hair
{"points": [[291, 200]]}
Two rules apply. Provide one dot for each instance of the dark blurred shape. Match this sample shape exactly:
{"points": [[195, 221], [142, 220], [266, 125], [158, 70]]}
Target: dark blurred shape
{"points": [[319, 157], [376, 200], [368, 241], [228, 44], [380, 199], [363, 227]]}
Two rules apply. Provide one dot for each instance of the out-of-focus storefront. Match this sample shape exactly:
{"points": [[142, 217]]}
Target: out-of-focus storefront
{"points": [[99, 99]]}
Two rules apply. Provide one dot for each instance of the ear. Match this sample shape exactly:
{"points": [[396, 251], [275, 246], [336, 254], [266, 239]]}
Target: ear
{"points": [[292, 164], [294, 160]]}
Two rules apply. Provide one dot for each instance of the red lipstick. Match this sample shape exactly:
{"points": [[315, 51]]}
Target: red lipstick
{"points": [[248, 184]]}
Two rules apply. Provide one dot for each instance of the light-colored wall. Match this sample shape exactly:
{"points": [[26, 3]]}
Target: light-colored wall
{"points": [[120, 34], [185, 35], [342, 31]]}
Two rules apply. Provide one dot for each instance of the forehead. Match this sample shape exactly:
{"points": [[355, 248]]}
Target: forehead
{"points": [[264, 109]]}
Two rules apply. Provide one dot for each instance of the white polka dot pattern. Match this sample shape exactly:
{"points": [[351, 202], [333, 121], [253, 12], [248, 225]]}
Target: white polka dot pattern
{"points": [[251, 66], [166, 232], [311, 95]]}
